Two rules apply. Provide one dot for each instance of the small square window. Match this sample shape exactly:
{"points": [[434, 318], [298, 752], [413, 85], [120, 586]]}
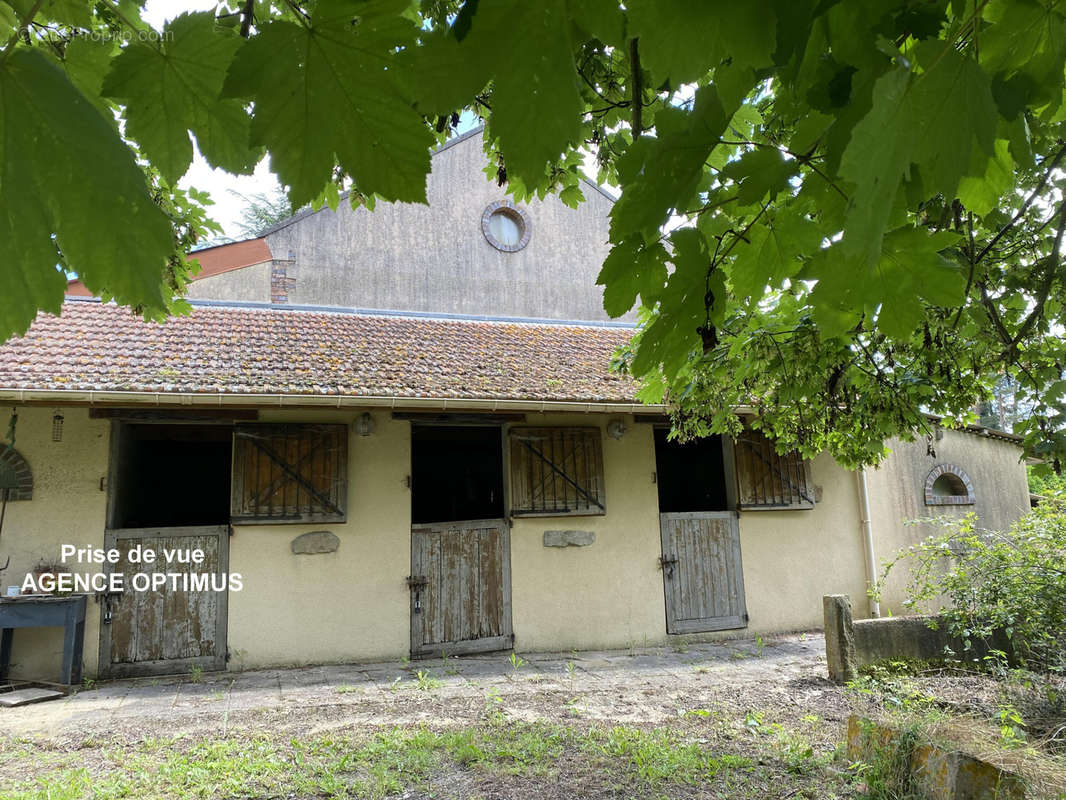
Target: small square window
{"points": [[556, 471]]}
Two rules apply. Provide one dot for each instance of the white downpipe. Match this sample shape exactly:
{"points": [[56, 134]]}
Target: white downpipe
{"points": [[868, 539]]}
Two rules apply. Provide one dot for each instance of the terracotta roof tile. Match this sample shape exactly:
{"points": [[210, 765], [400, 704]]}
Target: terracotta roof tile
{"points": [[98, 347]]}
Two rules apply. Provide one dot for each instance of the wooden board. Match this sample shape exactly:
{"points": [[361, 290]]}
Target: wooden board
{"points": [[465, 604], [23, 697], [165, 630], [703, 577]]}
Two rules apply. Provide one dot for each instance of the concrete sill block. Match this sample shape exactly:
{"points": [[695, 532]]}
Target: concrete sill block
{"points": [[315, 542], [569, 538]]}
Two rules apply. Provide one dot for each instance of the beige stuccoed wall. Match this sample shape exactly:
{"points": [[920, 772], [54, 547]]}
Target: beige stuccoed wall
{"points": [[247, 284], [349, 605], [793, 558], [610, 593], [897, 495], [68, 507], [354, 604]]}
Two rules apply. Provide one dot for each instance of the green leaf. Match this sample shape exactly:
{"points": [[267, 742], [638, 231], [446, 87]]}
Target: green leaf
{"points": [[1023, 36], [536, 98], [773, 253], [602, 19], [632, 269], [681, 41], [65, 173], [759, 171], [333, 91], [934, 121], [443, 74], [571, 196], [87, 62], [876, 160], [982, 194], [662, 174], [950, 109], [171, 87], [75, 13]]}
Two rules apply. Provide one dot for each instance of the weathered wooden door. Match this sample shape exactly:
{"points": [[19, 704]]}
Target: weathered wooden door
{"points": [[460, 587], [170, 628], [702, 573]]}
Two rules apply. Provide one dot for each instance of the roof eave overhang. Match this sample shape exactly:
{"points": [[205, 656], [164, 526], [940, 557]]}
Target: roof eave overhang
{"points": [[28, 397]]}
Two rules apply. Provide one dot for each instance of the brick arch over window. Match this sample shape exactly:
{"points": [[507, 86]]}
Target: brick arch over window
{"points": [[948, 485], [15, 475]]}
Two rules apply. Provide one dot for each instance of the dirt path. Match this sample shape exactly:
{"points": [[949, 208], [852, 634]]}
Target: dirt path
{"points": [[779, 680]]}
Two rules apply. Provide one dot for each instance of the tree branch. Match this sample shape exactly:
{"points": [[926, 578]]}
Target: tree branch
{"points": [[1025, 206], [1051, 269], [636, 79], [21, 30], [247, 13]]}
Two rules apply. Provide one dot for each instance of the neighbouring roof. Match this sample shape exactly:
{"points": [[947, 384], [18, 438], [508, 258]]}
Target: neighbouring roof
{"points": [[213, 261], [230, 350]]}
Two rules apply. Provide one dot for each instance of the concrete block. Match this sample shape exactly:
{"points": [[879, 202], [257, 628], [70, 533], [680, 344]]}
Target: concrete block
{"points": [[315, 542], [839, 638], [569, 538]]}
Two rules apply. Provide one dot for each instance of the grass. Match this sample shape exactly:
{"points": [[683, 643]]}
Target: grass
{"points": [[629, 761]]}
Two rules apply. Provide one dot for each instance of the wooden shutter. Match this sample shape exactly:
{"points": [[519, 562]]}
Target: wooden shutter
{"points": [[768, 480], [289, 473], [556, 471]]}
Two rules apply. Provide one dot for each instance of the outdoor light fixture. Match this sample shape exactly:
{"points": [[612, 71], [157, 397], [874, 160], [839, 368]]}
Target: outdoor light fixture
{"points": [[616, 429], [364, 425], [57, 427]]}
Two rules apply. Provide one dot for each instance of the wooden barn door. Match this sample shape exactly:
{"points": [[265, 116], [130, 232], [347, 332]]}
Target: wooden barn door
{"points": [[460, 587], [703, 578], [460, 577], [166, 630], [702, 571]]}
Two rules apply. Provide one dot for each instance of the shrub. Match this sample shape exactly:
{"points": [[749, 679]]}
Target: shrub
{"points": [[986, 582]]}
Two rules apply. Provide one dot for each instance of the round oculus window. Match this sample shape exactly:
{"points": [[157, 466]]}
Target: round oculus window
{"points": [[506, 227]]}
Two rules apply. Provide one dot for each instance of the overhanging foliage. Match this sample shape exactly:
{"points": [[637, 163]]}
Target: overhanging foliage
{"points": [[846, 214]]}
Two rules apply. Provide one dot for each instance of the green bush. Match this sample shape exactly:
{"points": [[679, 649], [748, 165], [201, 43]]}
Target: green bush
{"points": [[983, 582]]}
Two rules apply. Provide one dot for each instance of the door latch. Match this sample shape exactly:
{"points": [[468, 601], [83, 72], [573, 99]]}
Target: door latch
{"points": [[666, 564], [417, 583], [109, 600]]}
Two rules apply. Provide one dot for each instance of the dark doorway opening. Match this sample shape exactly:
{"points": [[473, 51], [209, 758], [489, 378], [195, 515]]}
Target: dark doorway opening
{"points": [[456, 473], [172, 476], [690, 476]]}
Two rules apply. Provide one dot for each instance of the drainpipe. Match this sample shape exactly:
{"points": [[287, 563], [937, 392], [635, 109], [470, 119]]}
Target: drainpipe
{"points": [[868, 538]]}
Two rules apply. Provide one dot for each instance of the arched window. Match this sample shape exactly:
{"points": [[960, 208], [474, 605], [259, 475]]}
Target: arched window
{"points": [[16, 479], [948, 485]]}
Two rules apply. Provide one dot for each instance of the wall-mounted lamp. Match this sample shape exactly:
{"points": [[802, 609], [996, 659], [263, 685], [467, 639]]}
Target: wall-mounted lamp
{"points": [[616, 429], [57, 427], [364, 425]]}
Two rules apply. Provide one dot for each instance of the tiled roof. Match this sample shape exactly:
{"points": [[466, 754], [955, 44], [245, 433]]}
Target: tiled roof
{"points": [[99, 347]]}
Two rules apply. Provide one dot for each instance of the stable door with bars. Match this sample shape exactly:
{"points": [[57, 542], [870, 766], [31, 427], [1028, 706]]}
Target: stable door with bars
{"points": [[460, 579], [703, 576]]}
